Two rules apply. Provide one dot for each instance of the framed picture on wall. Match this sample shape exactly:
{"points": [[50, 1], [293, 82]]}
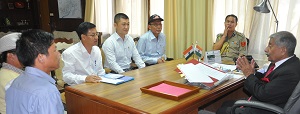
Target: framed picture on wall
{"points": [[10, 5], [69, 9]]}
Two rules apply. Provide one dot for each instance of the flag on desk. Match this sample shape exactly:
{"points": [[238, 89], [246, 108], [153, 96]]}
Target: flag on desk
{"points": [[198, 50], [188, 52]]}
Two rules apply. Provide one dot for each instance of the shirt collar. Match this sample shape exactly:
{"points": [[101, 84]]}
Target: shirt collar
{"points": [[117, 37], [152, 35], [233, 34], [11, 67], [32, 71], [82, 48], [278, 63]]}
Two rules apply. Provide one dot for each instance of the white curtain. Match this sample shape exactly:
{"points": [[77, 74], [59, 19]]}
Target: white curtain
{"points": [[136, 10], [104, 14], [289, 19], [288, 15]]}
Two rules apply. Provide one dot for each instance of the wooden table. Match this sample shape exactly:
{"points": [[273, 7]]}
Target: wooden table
{"points": [[96, 98]]}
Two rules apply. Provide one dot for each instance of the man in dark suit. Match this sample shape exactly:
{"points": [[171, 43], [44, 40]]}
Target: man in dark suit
{"points": [[278, 82]]}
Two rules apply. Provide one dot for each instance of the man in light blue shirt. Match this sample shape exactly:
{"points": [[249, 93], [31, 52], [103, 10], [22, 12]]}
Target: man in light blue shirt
{"points": [[152, 45], [34, 91], [119, 48]]}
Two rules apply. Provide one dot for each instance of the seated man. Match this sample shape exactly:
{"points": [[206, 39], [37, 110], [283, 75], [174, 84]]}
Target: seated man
{"points": [[231, 43], [152, 45], [277, 84], [83, 60], [119, 48], [9, 64], [34, 91]]}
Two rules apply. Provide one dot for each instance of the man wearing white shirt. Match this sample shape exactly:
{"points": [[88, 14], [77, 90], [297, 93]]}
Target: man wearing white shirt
{"points": [[83, 60], [119, 48]]}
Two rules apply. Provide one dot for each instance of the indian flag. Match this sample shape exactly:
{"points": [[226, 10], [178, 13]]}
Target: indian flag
{"points": [[198, 50], [188, 52]]}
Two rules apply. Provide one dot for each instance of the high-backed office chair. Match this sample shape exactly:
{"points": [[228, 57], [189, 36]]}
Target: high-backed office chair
{"points": [[136, 40], [107, 70], [291, 107], [248, 41], [62, 44], [99, 39]]}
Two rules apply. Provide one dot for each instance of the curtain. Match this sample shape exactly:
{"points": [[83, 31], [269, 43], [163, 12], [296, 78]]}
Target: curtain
{"points": [[102, 12], [137, 11], [288, 15], [289, 19], [90, 11], [262, 27], [185, 23], [105, 15]]}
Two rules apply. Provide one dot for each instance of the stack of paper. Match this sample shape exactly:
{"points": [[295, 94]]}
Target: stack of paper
{"points": [[201, 73], [115, 78]]}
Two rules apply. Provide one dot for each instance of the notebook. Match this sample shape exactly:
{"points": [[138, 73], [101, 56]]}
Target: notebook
{"points": [[116, 81]]}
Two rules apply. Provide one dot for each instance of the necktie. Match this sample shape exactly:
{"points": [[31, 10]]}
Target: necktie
{"points": [[271, 68]]}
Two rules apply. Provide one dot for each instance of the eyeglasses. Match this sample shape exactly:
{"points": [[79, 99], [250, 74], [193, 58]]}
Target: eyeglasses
{"points": [[94, 35], [156, 25]]}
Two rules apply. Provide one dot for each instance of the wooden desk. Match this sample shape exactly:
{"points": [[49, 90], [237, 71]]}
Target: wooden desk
{"points": [[98, 98]]}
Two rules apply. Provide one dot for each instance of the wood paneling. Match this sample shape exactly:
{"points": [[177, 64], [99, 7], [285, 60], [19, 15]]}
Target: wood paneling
{"points": [[20, 18]]}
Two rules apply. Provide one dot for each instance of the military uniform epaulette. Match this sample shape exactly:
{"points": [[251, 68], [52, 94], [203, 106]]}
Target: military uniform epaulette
{"points": [[240, 34], [219, 35]]}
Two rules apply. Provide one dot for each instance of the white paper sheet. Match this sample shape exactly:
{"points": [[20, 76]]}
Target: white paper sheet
{"points": [[210, 71], [224, 66], [112, 81], [193, 74]]}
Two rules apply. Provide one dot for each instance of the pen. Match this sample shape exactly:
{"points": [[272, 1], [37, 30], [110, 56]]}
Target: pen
{"points": [[95, 68]]}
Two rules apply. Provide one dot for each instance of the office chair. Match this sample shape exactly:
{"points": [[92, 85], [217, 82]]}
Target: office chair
{"points": [[291, 107], [247, 42], [136, 40]]}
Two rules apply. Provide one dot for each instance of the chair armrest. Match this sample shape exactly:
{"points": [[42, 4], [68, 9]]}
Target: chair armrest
{"points": [[257, 104]]}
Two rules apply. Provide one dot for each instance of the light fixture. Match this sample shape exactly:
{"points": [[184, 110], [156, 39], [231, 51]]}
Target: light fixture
{"points": [[263, 8]]}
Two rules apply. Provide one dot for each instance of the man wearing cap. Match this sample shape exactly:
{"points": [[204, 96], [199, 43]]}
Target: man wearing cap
{"points": [[152, 45], [10, 65], [119, 48]]}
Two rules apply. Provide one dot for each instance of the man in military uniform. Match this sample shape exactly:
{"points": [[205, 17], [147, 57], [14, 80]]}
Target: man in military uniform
{"points": [[231, 43]]}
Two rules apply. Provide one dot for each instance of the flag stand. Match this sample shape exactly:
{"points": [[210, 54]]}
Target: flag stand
{"points": [[192, 50]]}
